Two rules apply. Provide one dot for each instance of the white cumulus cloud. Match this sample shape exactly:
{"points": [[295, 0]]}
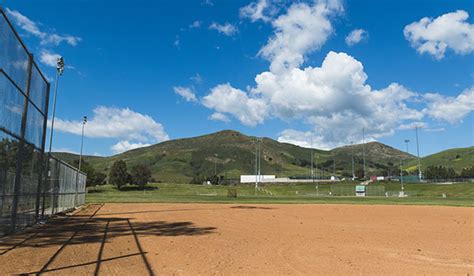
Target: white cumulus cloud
{"points": [[131, 127], [302, 29], [123, 146], [228, 100], [435, 36], [305, 139], [257, 11], [49, 58], [333, 100], [186, 93], [450, 109], [31, 27], [356, 36], [216, 116]]}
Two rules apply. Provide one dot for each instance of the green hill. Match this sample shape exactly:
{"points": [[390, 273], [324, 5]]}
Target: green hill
{"points": [[232, 153], [457, 159]]}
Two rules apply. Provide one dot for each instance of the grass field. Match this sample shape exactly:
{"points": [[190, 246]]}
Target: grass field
{"points": [[461, 194]]}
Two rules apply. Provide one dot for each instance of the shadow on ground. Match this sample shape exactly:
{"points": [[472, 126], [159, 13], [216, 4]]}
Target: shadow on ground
{"points": [[85, 228], [252, 207]]}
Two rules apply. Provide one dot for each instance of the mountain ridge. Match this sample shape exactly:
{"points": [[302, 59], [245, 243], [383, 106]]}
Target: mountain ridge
{"points": [[231, 153]]}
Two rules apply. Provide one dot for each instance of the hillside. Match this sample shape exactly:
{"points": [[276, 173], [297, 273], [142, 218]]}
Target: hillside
{"points": [[232, 153], [457, 159]]}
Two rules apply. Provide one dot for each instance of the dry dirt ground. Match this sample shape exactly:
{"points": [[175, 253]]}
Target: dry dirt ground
{"points": [[193, 239]]}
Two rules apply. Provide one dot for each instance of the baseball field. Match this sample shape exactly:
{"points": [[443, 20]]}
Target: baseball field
{"points": [[243, 239]]}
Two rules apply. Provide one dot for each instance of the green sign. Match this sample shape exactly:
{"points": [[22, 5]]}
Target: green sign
{"points": [[360, 188]]}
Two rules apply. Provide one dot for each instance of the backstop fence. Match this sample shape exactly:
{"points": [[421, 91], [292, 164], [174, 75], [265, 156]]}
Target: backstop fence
{"points": [[28, 189]]}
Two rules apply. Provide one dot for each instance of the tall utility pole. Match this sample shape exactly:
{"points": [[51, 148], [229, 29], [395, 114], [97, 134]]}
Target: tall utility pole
{"points": [[257, 162], [363, 148], [256, 167], [418, 153], [334, 166], [401, 174], [316, 167], [312, 157], [84, 121], [353, 172], [59, 72]]}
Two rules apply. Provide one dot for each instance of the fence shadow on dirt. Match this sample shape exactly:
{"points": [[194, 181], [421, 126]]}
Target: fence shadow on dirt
{"points": [[80, 229], [58, 230]]}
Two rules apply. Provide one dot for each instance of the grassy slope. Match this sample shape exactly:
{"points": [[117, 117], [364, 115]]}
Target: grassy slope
{"points": [[455, 158], [179, 160], [427, 194]]}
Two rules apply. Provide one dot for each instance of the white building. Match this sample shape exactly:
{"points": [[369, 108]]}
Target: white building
{"points": [[254, 178]]}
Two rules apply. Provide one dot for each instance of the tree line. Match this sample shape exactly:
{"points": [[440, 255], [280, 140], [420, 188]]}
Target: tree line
{"points": [[119, 174], [441, 172]]}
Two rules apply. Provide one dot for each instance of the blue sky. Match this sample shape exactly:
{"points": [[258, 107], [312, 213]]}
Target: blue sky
{"points": [[157, 70]]}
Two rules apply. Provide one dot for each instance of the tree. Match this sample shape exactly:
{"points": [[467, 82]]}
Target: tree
{"points": [[439, 172], [467, 172], [141, 175], [198, 179], [118, 174], [93, 177], [359, 173], [98, 178]]}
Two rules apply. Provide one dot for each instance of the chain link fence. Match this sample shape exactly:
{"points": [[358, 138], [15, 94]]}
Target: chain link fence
{"points": [[24, 97]]}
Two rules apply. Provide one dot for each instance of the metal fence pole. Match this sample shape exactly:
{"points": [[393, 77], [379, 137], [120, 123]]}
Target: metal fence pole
{"points": [[42, 166], [20, 153]]}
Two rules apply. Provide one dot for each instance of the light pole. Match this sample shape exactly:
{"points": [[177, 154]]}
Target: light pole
{"points": [[257, 162], [418, 154], [401, 175], [84, 121], [363, 148], [312, 157], [59, 72], [353, 172]]}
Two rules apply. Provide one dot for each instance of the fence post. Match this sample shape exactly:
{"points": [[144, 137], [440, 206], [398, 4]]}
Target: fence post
{"points": [[20, 153], [42, 167]]}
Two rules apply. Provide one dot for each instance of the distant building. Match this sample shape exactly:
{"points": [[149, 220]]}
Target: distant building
{"points": [[254, 178]]}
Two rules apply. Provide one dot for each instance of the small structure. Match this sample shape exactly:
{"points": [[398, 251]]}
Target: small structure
{"points": [[259, 178], [360, 190]]}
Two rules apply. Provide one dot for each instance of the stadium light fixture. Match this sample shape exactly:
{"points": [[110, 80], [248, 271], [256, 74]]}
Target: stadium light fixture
{"points": [[406, 142]]}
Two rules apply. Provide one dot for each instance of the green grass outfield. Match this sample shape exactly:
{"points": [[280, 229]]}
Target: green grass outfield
{"points": [[461, 194]]}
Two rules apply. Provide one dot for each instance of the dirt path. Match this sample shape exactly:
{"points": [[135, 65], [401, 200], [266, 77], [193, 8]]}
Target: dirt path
{"points": [[190, 239]]}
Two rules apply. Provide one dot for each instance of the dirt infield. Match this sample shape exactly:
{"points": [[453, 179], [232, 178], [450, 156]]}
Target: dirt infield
{"points": [[190, 239]]}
